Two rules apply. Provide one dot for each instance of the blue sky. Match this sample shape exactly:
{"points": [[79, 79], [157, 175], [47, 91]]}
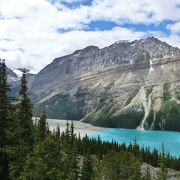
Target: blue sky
{"points": [[33, 33]]}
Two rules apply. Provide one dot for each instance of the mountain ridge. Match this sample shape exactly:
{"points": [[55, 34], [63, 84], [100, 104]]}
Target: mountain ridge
{"points": [[127, 84]]}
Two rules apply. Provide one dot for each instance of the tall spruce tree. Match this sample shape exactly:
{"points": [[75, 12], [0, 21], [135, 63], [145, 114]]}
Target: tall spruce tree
{"points": [[4, 117], [24, 131], [25, 122], [42, 129], [162, 174], [87, 168], [4, 102]]}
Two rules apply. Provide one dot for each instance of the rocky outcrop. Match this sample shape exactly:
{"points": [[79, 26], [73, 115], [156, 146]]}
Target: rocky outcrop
{"points": [[171, 174], [128, 84]]}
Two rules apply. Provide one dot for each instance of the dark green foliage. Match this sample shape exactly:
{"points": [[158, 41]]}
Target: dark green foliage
{"points": [[57, 155], [118, 167], [23, 130], [104, 117], [166, 93], [48, 160], [24, 114], [148, 91], [101, 117], [171, 116], [4, 118], [149, 120], [129, 120], [87, 168], [129, 99], [162, 174], [177, 95], [167, 118], [4, 102], [42, 128], [63, 106]]}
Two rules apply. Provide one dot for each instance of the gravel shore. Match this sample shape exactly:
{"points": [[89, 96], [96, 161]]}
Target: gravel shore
{"points": [[79, 127]]}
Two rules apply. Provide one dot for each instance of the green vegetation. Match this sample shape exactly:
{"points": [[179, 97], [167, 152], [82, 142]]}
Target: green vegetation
{"points": [[30, 151], [100, 117], [148, 91], [167, 118], [177, 95], [149, 120], [118, 166], [162, 174], [105, 117], [63, 106], [130, 97], [127, 120], [166, 93]]}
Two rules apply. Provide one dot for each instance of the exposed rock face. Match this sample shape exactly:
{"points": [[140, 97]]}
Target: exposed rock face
{"points": [[171, 174], [11, 76], [128, 84], [14, 77]]}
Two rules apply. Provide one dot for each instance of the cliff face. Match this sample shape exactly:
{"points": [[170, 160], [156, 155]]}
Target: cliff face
{"points": [[128, 84]]}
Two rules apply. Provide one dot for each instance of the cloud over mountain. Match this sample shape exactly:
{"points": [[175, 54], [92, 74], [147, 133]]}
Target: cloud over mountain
{"points": [[34, 32]]}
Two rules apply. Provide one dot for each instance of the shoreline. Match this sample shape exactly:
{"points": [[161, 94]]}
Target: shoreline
{"points": [[89, 129], [79, 127]]}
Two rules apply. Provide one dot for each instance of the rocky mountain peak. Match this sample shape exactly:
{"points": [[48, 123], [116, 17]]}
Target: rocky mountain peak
{"points": [[86, 50], [128, 84], [131, 55], [155, 47]]}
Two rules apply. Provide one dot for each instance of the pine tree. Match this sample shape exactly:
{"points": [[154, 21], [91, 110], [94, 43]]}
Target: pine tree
{"points": [[4, 117], [147, 175], [162, 174], [4, 102], [118, 166], [25, 114], [72, 134], [42, 129], [58, 132], [87, 168], [50, 160], [24, 131]]}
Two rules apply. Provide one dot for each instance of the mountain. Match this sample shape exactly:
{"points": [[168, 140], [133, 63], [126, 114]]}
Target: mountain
{"points": [[14, 77], [128, 84]]}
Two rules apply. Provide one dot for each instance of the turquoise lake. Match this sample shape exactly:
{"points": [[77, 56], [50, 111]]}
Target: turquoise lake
{"points": [[152, 139]]}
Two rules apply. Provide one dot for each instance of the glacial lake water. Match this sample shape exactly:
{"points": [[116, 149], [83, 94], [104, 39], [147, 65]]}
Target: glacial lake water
{"points": [[152, 139]]}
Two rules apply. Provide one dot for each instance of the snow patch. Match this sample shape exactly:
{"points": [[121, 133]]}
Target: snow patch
{"points": [[18, 73], [32, 72], [151, 68]]}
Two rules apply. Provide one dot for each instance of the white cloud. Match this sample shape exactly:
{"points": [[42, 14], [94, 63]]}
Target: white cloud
{"points": [[28, 29], [174, 28]]}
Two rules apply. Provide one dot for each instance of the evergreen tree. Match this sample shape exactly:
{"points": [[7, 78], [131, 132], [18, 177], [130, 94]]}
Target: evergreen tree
{"points": [[147, 175], [42, 129], [162, 174], [24, 131], [87, 168], [49, 160], [72, 134], [25, 123], [118, 166], [4, 118]]}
